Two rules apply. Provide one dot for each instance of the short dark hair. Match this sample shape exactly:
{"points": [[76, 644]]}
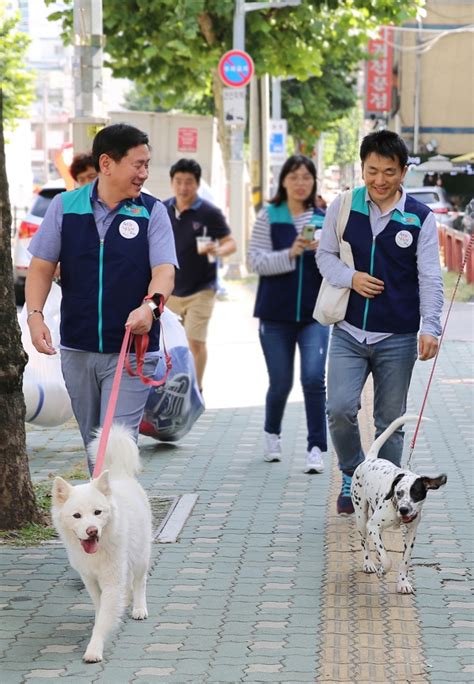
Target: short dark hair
{"points": [[292, 164], [385, 144], [80, 163], [116, 140], [186, 166]]}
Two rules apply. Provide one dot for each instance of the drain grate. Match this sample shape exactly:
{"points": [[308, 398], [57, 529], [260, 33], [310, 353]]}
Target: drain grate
{"points": [[161, 509]]}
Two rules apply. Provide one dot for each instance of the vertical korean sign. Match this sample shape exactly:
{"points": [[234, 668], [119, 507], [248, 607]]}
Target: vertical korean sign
{"points": [[378, 89]]}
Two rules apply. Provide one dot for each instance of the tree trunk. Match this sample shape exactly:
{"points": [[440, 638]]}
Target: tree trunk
{"points": [[18, 504]]}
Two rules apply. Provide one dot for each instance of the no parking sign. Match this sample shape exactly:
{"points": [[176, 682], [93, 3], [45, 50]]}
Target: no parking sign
{"points": [[235, 68]]}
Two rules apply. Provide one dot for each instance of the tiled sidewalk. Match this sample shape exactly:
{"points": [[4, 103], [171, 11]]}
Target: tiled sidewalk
{"points": [[264, 583]]}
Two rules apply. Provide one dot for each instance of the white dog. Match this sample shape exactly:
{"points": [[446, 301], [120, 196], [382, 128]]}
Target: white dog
{"points": [[106, 528], [387, 496]]}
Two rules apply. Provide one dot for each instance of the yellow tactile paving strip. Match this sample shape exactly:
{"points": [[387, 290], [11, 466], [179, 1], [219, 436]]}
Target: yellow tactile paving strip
{"points": [[369, 633]]}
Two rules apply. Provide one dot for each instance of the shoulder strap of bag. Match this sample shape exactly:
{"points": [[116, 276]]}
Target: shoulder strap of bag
{"points": [[344, 211]]}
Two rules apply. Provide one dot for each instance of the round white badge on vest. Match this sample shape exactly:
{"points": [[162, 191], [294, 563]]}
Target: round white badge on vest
{"points": [[129, 229], [403, 238]]}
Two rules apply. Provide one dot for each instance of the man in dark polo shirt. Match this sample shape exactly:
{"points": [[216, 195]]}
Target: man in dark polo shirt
{"points": [[195, 288]]}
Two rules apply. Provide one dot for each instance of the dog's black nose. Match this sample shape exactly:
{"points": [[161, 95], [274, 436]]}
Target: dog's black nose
{"points": [[404, 510], [92, 531]]}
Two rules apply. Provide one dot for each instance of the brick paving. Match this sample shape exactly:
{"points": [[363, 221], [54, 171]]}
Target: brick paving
{"points": [[264, 582]]}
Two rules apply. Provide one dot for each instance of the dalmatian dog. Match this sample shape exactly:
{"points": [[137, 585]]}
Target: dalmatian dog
{"points": [[387, 496]]}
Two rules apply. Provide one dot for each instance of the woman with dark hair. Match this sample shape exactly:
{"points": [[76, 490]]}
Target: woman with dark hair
{"points": [[282, 252]]}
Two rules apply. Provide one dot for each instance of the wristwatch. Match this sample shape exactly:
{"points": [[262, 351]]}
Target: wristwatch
{"points": [[156, 302]]}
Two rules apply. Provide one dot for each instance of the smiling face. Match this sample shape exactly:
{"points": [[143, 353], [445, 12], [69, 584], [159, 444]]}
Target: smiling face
{"points": [[124, 179], [383, 177]]}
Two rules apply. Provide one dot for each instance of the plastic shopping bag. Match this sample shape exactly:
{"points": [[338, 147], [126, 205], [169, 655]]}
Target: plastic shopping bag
{"points": [[46, 398], [173, 408]]}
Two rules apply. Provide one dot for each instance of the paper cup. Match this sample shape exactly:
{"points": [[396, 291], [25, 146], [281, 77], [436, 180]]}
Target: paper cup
{"points": [[201, 242]]}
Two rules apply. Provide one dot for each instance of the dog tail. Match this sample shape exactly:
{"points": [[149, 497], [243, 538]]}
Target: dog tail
{"points": [[121, 455], [380, 441]]}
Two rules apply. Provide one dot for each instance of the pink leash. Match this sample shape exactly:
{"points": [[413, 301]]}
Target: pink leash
{"points": [[141, 346], [415, 435]]}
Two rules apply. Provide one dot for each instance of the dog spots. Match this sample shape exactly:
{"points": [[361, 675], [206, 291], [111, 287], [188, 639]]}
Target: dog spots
{"points": [[418, 490]]}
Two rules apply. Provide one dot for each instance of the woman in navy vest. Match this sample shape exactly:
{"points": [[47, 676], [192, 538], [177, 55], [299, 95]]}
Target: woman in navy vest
{"points": [[281, 251]]}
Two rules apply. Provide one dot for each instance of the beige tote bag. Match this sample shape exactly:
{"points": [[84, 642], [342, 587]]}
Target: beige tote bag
{"points": [[331, 304]]}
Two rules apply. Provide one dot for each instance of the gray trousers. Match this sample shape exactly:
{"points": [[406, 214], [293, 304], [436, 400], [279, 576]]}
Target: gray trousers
{"points": [[89, 377]]}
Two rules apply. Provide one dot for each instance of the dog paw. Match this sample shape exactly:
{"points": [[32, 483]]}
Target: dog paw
{"points": [[92, 656], [139, 613], [380, 570], [369, 567], [404, 587]]}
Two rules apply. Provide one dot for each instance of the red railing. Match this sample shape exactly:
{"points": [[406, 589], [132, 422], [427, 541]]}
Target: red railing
{"points": [[453, 245]]}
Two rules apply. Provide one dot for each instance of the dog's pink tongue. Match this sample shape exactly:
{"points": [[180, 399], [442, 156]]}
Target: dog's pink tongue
{"points": [[90, 545]]}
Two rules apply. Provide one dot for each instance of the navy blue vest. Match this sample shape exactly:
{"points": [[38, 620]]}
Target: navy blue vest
{"points": [[391, 257], [289, 296], [103, 280]]}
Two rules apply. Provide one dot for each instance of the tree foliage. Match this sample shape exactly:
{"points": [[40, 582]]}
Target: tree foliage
{"points": [[16, 83], [172, 48]]}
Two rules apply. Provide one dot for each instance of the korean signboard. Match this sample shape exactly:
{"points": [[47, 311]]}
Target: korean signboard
{"points": [[378, 87], [187, 139]]}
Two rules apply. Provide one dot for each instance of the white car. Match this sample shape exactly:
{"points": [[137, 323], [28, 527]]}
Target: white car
{"points": [[436, 199], [26, 230]]}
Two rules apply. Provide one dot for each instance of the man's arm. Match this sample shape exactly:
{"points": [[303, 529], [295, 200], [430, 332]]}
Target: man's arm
{"points": [[431, 288], [224, 246], [38, 284], [332, 268], [141, 319]]}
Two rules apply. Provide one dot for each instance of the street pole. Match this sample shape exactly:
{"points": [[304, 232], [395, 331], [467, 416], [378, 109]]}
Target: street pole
{"points": [[417, 103], [237, 214], [88, 92]]}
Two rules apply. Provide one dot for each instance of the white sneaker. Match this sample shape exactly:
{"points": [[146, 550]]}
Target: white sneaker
{"points": [[272, 448], [314, 461]]}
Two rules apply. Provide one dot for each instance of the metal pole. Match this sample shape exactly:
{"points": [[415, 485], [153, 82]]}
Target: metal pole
{"points": [[237, 217], [417, 104], [88, 88]]}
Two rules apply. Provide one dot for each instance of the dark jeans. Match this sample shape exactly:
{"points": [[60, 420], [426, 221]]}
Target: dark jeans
{"points": [[279, 340]]}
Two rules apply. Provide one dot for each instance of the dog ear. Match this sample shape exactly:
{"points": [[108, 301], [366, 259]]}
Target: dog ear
{"points": [[434, 482], [61, 491], [394, 484], [103, 483]]}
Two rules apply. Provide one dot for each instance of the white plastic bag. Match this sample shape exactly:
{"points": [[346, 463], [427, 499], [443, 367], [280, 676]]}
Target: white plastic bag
{"points": [[173, 408], [46, 398]]}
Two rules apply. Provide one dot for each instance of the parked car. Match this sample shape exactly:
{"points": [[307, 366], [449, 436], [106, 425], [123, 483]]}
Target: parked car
{"points": [[436, 199], [26, 230]]}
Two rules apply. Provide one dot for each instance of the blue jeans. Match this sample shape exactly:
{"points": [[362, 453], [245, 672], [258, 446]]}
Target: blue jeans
{"points": [[391, 363], [279, 340]]}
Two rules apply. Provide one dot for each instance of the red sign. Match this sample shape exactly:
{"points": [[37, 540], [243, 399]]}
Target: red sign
{"points": [[187, 139], [378, 94], [235, 68]]}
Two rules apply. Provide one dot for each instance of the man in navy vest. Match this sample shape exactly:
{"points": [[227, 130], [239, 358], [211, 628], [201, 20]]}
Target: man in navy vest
{"points": [[118, 260], [396, 293]]}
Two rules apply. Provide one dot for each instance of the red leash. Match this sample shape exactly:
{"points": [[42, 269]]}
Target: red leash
{"points": [[415, 435], [141, 346]]}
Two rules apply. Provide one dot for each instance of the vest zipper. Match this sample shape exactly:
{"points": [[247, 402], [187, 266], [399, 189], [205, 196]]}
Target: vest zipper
{"points": [[300, 289], [371, 272], [101, 284]]}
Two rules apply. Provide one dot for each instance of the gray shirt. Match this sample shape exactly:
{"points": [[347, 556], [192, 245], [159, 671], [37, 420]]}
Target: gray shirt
{"points": [[46, 243], [429, 271]]}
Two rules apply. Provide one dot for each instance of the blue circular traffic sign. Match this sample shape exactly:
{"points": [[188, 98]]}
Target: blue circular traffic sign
{"points": [[235, 68]]}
